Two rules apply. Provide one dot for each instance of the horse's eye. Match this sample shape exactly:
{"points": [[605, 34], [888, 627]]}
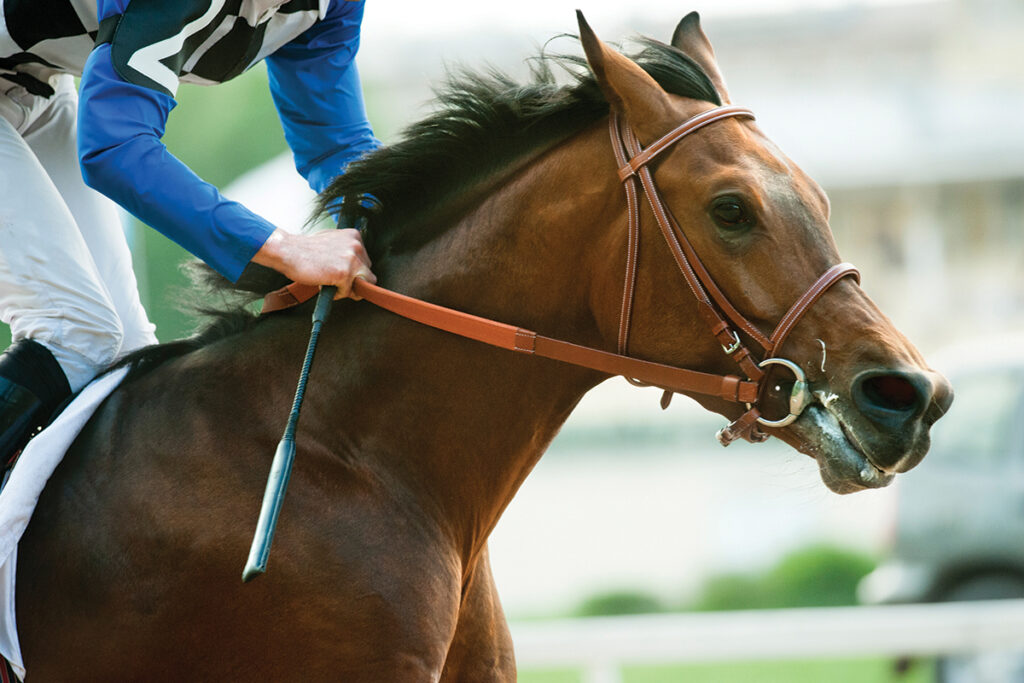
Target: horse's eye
{"points": [[731, 215]]}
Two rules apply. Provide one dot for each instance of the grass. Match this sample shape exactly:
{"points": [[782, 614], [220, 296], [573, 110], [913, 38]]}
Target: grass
{"points": [[809, 671]]}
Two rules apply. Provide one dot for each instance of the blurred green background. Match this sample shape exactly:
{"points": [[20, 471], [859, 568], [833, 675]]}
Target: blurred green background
{"points": [[220, 133]]}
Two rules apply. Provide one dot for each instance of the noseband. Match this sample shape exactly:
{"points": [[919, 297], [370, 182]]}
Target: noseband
{"points": [[714, 307], [717, 312]]}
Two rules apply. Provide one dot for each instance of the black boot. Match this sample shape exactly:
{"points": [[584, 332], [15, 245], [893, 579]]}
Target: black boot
{"points": [[32, 386]]}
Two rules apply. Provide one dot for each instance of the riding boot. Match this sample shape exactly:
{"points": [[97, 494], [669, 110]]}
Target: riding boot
{"points": [[32, 386]]}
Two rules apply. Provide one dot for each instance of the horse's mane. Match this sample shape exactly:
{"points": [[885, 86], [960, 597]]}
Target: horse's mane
{"points": [[482, 124]]}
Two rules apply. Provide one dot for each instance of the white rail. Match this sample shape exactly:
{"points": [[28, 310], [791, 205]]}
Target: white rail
{"points": [[600, 646]]}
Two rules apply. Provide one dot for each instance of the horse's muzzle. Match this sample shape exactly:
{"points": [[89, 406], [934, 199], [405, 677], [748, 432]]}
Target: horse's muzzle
{"points": [[899, 407]]}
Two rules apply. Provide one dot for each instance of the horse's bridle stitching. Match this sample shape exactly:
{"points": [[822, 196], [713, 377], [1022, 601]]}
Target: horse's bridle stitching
{"points": [[792, 317], [700, 281], [712, 302], [713, 296], [632, 248]]}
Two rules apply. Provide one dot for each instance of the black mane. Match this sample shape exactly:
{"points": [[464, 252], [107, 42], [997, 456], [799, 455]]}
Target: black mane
{"points": [[482, 125]]}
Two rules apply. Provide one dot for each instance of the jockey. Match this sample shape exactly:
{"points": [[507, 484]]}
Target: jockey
{"points": [[67, 289]]}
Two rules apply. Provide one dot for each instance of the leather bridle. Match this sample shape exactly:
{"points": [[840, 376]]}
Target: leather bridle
{"points": [[714, 307]]}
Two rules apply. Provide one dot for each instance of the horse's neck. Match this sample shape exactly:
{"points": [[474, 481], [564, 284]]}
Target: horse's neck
{"points": [[461, 423]]}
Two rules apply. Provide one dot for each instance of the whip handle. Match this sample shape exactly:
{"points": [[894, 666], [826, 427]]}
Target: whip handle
{"points": [[284, 456], [273, 497]]}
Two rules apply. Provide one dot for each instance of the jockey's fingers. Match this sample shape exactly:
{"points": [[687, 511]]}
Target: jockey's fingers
{"points": [[324, 258], [346, 291], [352, 265], [361, 254], [354, 241]]}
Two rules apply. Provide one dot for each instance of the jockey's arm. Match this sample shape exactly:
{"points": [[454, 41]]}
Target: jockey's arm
{"points": [[317, 92], [316, 89], [120, 126]]}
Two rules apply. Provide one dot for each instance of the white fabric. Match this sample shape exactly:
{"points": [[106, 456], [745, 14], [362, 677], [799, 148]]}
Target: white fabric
{"points": [[66, 277], [21, 492]]}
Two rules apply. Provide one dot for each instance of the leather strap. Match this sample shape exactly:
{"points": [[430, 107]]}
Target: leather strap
{"points": [[287, 297], [743, 428], [729, 387], [710, 298], [813, 293], [679, 380], [714, 307], [632, 237], [667, 140]]}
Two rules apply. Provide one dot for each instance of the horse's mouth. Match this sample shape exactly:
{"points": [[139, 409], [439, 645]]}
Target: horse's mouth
{"points": [[844, 464]]}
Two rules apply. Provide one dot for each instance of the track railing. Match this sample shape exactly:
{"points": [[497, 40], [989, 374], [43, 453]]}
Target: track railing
{"points": [[600, 646]]}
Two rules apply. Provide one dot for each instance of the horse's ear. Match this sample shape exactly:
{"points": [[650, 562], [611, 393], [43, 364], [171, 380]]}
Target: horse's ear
{"points": [[689, 38], [630, 91]]}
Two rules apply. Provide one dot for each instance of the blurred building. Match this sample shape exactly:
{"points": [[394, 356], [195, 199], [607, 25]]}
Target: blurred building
{"points": [[911, 115]]}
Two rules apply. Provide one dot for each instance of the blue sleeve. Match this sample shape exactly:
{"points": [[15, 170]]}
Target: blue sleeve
{"points": [[316, 89], [119, 130]]}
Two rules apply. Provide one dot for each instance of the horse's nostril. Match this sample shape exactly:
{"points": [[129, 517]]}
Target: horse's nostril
{"points": [[891, 399], [891, 392]]}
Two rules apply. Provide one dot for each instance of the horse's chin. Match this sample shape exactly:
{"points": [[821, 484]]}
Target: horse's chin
{"points": [[842, 462]]}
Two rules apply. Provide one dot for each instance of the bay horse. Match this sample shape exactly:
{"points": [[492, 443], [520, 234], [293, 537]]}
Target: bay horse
{"points": [[505, 203]]}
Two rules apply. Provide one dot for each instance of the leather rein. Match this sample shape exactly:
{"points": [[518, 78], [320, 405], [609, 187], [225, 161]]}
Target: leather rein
{"points": [[714, 307]]}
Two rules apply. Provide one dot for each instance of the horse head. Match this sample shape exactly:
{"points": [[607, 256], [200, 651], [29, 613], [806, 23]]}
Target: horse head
{"points": [[759, 228]]}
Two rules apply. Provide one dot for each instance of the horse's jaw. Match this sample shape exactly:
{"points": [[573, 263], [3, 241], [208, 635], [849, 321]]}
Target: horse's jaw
{"points": [[823, 434], [855, 453], [852, 453], [842, 462]]}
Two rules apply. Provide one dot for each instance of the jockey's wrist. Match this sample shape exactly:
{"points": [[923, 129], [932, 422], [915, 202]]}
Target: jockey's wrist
{"points": [[273, 252]]}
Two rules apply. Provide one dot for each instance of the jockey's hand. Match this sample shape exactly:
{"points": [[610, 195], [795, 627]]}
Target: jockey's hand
{"points": [[330, 257]]}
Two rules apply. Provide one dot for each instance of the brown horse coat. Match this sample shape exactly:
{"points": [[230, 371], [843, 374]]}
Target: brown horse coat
{"points": [[412, 442]]}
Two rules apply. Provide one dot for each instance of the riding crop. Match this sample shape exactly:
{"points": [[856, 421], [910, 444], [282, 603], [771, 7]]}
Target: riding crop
{"points": [[284, 456]]}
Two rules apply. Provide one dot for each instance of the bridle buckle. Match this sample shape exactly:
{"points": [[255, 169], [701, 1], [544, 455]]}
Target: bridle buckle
{"points": [[734, 346]]}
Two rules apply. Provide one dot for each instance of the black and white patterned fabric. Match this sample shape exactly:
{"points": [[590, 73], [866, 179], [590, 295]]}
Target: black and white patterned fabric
{"points": [[156, 43], [39, 38]]}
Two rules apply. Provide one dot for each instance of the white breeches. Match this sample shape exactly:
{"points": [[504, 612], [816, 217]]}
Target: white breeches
{"points": [[66, 276]]}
